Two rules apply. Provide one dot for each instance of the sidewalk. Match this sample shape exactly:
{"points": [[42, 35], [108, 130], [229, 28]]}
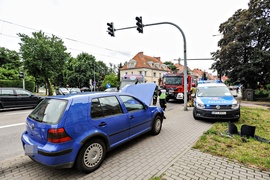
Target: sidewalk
{"points": [[259, 104]]}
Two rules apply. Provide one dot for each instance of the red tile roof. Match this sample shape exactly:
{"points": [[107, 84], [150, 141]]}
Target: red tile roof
{"points": [[142, 61]]}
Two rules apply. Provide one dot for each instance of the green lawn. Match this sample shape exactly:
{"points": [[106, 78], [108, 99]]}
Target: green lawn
{"points": [[247, 151]]}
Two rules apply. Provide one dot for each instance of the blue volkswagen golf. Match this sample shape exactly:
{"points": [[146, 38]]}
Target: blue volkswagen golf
{"points": [[79, 129]]}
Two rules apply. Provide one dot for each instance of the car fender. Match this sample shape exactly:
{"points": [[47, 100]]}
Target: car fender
{"points": [[97, 134], [158, 112]]}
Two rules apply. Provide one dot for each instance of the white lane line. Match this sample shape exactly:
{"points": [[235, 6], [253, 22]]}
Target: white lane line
{"points": [[17, 113], [11, 125]]}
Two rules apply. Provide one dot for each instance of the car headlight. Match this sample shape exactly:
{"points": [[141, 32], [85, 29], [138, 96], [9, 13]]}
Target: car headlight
{"points": [[200, 104], [235, 104]]}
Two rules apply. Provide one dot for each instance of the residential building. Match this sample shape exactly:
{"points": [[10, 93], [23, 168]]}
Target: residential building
{"points": [[153, 69], [150, 67]]}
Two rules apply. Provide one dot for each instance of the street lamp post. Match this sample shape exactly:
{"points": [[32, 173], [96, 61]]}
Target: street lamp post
{"points": [[95, 78]]}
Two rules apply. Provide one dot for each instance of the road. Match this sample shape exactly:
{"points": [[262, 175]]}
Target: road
{"points": [[12, 124]]}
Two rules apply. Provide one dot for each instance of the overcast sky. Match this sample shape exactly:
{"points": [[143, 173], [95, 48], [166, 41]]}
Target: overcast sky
{"points": [[82, 24]]}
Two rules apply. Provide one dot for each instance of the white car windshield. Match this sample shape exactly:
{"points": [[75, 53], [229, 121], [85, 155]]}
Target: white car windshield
{"points": [[214, 91]]}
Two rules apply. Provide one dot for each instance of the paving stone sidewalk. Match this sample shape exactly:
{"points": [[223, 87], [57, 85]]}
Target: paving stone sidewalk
{"points": [[193, 164]]}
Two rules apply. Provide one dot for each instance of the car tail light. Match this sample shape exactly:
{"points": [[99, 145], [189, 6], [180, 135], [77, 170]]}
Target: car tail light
{"points": [[58, 135]]}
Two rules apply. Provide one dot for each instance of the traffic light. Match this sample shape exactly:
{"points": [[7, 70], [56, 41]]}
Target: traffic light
{"points": [[139, 24], [21, 75], [110, 29]]}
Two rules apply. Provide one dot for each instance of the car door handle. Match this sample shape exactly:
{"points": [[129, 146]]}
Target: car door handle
{"points": [[131, 117], [102, 124]]}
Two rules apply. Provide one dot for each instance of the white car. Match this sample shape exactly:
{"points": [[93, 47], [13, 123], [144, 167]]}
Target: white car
{"points": [[215, 101]]}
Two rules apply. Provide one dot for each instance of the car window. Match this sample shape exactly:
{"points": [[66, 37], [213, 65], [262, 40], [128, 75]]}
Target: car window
{"points": [[131, 103], [7, 92], [20, 92], [215, 91], [105, 106], [49, 111]]}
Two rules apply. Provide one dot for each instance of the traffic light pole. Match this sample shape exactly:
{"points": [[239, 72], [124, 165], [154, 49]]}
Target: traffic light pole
{"points": [[23, 80], [185, 55]]}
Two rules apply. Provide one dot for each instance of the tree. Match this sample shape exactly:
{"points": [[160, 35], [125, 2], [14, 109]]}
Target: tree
{"points": [[204, 76], [244, 55], [111, 79], [43, 56], [171, 66], [83, 68], [10, 64]]}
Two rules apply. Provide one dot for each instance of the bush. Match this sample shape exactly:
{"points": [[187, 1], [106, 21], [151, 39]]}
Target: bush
{"points": [[268, 87], [262, 93], [29, 85]]}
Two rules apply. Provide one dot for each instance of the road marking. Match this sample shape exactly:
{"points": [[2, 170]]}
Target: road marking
{"points": [[15, 113], [11, 125]]}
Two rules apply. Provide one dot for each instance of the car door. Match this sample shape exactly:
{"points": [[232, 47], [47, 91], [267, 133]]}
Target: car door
{"points": [[8, 98], [108, 116], [25, 98], [140, 117]]}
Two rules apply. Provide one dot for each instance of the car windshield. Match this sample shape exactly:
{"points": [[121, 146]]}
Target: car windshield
{"points": [[173, 80], [74, 90], [64, 90], [49, 111], [214, 91]]}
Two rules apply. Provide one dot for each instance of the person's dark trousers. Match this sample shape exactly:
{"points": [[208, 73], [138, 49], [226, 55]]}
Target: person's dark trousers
{"points": [[154, 100], [162, 103]]}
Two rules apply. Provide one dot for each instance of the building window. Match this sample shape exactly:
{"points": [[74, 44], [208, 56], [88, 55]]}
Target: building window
{"points": [[145, 73], [131, 64], [140, 72], [155, 75]]}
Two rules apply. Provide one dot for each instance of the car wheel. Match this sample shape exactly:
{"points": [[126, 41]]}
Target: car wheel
{"points": [[91, 156], [194, 114], [156, 126]]}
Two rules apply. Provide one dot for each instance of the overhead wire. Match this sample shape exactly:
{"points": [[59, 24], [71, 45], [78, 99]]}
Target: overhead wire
{"points": [[66, 38]]}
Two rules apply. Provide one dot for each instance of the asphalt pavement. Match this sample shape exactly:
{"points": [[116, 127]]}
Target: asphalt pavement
{"points": [[169, 154]]}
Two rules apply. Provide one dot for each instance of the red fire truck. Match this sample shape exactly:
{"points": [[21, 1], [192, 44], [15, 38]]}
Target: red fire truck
{"points": [[174, 84]]}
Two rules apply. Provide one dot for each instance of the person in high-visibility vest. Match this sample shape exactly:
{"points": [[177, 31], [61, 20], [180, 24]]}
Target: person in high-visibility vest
{"points": [[162, 99], [191, 99]]}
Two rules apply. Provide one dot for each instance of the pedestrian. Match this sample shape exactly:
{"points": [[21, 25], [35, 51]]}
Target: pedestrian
{"points": [[192, 95], [162, 99], [155, 96]]}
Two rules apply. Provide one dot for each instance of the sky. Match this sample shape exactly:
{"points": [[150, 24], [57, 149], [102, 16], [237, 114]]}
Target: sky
{"points": [[82, 25]]}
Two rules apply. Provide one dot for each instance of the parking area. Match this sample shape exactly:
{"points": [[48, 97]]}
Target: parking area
{"points": [[168, 153]]}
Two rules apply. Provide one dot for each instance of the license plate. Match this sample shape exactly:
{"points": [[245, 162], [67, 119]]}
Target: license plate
{"points": [[30, 150], [219, 113]]}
